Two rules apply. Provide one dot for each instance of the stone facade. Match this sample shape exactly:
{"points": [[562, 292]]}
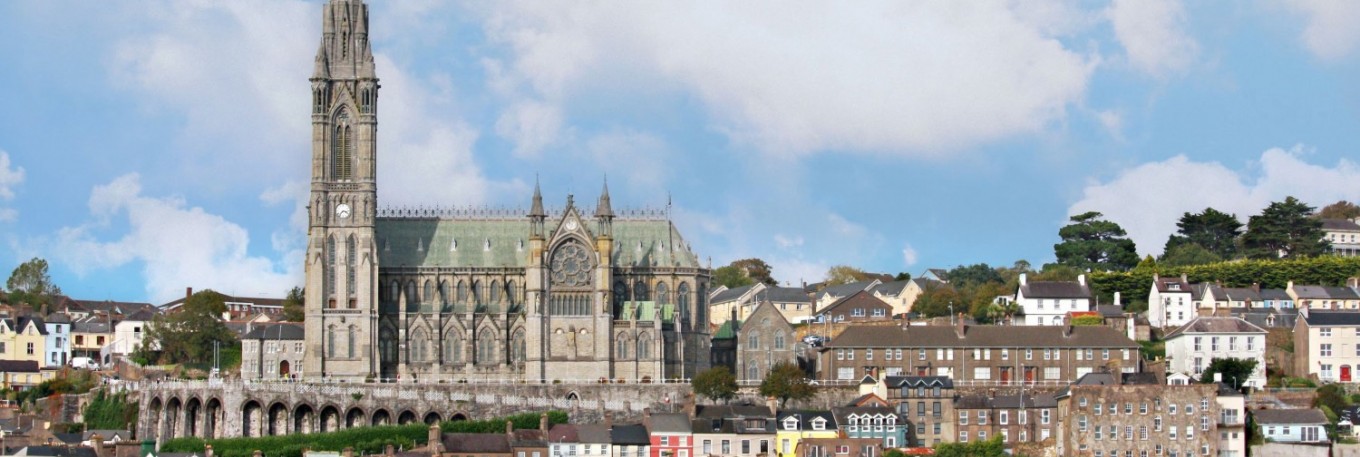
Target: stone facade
{"points": [[763, 341], [1017, 419], [272, 351], [1110, 419], [925, 404], [454, 294]]}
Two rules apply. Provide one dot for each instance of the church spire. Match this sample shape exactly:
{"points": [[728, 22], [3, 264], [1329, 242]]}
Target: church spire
{"points": [[537, 209], [603, 210]]}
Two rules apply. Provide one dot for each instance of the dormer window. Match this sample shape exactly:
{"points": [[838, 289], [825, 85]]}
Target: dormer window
{"points": [[453, 245], [487, 245], [791, 423], [819, 424]]}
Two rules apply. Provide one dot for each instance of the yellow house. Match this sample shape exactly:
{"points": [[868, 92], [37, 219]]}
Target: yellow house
{"points": [[794, 426], [23, 339], [22, 374]]}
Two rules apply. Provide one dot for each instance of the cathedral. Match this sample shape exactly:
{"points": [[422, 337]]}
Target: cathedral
{"points": [[452, 295]]}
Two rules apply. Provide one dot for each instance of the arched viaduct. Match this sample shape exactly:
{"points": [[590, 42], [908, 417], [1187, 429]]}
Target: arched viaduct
{"points": [[219, 409]]}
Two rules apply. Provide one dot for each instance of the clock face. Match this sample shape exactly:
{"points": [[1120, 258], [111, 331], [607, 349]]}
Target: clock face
{"points": [[571, 224], [342, 210]]}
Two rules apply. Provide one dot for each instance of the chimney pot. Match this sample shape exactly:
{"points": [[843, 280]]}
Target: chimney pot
{"points": [[543, 423], [257, 453]]}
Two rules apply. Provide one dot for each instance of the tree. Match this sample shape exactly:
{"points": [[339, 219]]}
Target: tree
{"points": [[1235, 371], [1187, 254], [975, 274], [844, 274], [732, 277], [1332, 396], [188, 335], [293, 306], [1339, 210], [30, 283], [787, 382], [936, 300], [717, 383], [902, 276], [991, 448], [757, 270], [1090, 242], [1212, 229], [1284, 230]]}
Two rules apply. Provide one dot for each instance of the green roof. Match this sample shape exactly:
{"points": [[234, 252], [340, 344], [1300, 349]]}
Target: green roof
{"points": [[647, 311], [503, 243], [728, 331]]}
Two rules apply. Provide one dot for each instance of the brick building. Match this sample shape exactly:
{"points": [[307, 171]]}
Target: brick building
{"points": [[1103, 417], [1016, 419], [979, 355], [925, 403]]}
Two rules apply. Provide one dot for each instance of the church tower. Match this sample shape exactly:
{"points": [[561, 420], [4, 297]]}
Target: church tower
{"points": [[341, 262]]}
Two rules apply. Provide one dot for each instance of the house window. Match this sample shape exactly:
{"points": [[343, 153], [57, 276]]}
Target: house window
{"points": [[963, 417], [1213, 344], [921, 354], [868, 354], [1325, 332], [1029, 354], [30, 348], [1043, 416], [1004, 417], [963, 437], [1052, 373], [1198, 346]]}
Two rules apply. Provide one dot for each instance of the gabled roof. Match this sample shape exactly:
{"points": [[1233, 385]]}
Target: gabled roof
{"points": [[1213, 324], [1288, 416], [18, 366], [844, 412], [1275, 294], [1340, 225], [730, 294], [943, 382], [731, 411], [1325, 292], [279, 331], [37, 323], [778, 294], [1055, 289], [893, 288], [1332, 318], [1110, 311], [807, 417], [670, 423], [927, 336], [1241, 294], [1164, 285], [476, 443], [847, 289], [862, 299], [630, 435], [728, 330]]}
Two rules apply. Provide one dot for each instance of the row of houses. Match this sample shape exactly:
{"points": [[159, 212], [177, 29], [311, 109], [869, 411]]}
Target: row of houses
{"points": [[1174, 301]]}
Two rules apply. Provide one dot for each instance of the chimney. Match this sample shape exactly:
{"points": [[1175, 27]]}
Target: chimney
{"points": [[608, 420], [1067, 325], [1117, 301], [1024, 278], [1256, 286], [207, 450], [960, 329], [388, 450], [1353, 282], [647, 419], [773, 405], [257, 453], [543, 423], [510, 429], [1185, 280], [435, 439], [1081, 279], [98, 443], [348, 452]]}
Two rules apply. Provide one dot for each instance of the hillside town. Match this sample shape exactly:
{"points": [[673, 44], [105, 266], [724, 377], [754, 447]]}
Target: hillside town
{"points": [[581, 328]]}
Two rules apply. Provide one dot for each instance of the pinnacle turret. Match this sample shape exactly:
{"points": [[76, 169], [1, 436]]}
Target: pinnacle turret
{"points": [[603, 210]]}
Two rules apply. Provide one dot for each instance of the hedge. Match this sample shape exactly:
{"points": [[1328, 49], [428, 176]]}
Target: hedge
{"points": [[364, 440], [1134, 285]]}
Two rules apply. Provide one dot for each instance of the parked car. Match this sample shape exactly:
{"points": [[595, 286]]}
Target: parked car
{"points": [[84, 363], [814, 340]]}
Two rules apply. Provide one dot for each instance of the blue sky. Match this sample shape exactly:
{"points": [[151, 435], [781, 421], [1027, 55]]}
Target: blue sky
{"points": [[150, 146]]}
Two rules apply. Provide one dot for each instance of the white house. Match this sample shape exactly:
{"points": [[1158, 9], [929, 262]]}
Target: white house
{"points": [[1292, 425], [128, 335], [1192, 347], [581, 440], [58, 341], [1232, 422], [1171, 302], [1327, 345], [1046, 302]]}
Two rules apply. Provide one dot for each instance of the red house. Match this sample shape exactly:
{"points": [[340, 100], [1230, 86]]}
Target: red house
{"points": [[672, 435]]}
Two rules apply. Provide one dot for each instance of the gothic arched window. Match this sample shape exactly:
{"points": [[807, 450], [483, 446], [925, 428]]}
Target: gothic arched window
{"points": [[353, 341], [495, 292], [342, 148], [351, 252], [418, 346], [512, 294], [640, 291], [444, 293], [620, 294], [753, 372], [453, 351], [429, 290], [663, 294], [779, 340], [622, 345], [330, 341], [571, 265], [682, 299], [411, 296], [644, 347], [477, 292], [486, 348], [462, 292], [517, 345], [394, 291], [753, 341]]}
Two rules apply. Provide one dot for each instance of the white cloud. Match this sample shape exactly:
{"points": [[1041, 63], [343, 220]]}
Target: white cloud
{"points": [[801, 78], [1329, 30], [1113, 122], [11, 176], [795, 271], [1153, 35], [908, 255], [533, 126], [1148, 199], [786, 242], [176, 245]]}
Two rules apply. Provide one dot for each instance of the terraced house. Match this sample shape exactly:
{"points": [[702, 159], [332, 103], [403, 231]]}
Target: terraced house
{"points": [[978, 355], [1104, 417]]}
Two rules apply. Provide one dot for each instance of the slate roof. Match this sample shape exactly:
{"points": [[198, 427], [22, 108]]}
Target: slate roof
{"points": [[1288, 416], [730, 294], [1140, 378], [846, 289], [429, 242], [1338, 225], [862, 299], [843, 412], [107, 435], [1275, 294], [805, 418], [1325, 292], [1208, 324], [944, 382], [981, 336], [91, 325], [630, 435], [893, 288], [731, 411], [36, 321], [670, 423], [1164, 285], [476, 443], [280, 331], [529, 438], [111, 307], [1110, 311], [1055, 289], [1241, 294], [1039, 401], [69, 438], [778, 294], [1332, 318], [592, 433], [56, 451]]}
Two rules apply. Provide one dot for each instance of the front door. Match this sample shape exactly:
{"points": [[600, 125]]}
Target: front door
{"points": [[1005, 375], [1029, 374], [1345, 373], [283, 368]]}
